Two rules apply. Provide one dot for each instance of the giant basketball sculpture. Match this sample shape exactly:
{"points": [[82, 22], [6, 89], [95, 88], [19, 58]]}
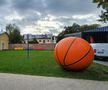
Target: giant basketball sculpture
{"points": [[74, 53]]}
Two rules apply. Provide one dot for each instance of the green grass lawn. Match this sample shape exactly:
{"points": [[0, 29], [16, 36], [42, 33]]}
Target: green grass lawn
{"points": [[43, 63]]}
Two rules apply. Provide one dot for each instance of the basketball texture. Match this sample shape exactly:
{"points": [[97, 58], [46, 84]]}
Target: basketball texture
{"points": [[74, 53]]}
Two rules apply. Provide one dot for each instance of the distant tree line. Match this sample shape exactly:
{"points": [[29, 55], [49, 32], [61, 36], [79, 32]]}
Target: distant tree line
{"points": [[16, 37], [75, 28]]}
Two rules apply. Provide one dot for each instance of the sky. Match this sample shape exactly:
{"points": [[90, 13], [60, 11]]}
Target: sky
{"points": [[47, 16]]}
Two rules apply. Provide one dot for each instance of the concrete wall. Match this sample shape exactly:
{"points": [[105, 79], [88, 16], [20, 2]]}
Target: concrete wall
{"points": [[32, 46]]}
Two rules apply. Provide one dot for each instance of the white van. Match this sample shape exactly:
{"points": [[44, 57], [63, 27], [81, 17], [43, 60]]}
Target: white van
{"points": [[100, 50]]}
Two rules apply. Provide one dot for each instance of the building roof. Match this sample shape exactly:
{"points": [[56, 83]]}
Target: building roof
{"points": [[73, 34], [42, 36], [4, 33], [101, 29]]}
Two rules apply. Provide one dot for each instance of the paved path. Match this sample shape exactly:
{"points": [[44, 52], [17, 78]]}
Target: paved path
{"points": [[26, 82], [105, 63]]}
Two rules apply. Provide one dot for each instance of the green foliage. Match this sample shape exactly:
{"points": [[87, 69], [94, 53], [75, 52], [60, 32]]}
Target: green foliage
{"points": [[72, 29], [60, 36], [88, 27], [104, 12], [34, 41], [10, 28], [14, 34], [75, 28]]}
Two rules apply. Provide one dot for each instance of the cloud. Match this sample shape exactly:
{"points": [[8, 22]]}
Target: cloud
{"points": [[56, 7], [46, 16], [63, 7], [56, 24], [24, 6], [3, 2], [13, 16]]}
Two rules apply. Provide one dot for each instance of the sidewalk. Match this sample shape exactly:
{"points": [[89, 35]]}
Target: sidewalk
{"points": [[105, 63], [27, 82]]}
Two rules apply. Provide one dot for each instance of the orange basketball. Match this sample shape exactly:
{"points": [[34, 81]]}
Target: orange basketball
{"points": [[74, 53]]}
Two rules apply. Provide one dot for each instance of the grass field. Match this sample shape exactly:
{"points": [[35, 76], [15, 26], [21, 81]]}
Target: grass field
{"points": [[43, 63]]}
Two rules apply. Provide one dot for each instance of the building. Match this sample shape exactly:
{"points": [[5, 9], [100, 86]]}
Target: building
{"points": [[43, 38], [4, 41]]}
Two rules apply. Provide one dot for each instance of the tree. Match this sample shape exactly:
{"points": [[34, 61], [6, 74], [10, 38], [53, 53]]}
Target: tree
{"points": [[60, 36], [14, 34], [72, 29], [104, 12], [68, 29], [75, 28], [88, 27], [34, 41]]}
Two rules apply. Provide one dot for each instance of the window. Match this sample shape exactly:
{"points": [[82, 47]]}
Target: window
{"points": [[107, 38], [100, 37], [39, 40], [97, 37], [43, 41]]}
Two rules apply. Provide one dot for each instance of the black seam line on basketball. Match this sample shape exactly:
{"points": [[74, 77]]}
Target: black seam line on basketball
{"points": [[57, 55], [68, 50], [80, 59]]}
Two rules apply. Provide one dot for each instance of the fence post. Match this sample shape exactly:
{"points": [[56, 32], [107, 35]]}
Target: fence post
{"points": [[27, 46]]}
